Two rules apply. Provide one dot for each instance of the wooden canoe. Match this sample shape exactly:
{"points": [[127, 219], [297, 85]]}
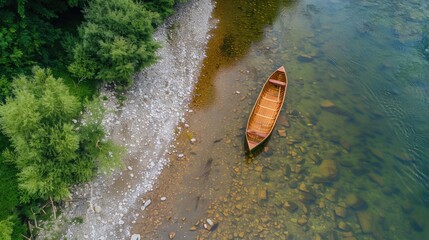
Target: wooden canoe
{"points": [[266, 109]]}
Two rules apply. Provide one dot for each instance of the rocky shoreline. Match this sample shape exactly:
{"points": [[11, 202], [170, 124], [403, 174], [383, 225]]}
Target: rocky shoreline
{"points": [[146, 125]]}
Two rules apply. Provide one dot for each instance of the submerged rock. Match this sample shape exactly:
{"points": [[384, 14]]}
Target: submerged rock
{"points": [[306, 197], [376, 178], [302, 220], [293, 184], [262, 195], [304, 188], [290, 206], [326, 104], [283, 121], [344, 226], [287, 170], [404, 157], [316, 159], [281, 132], [365, 221], [377, 154], [341, 211], [355, 202], [305, 58], [328, 169], [298, 169], [332, 195], [346, 145]]}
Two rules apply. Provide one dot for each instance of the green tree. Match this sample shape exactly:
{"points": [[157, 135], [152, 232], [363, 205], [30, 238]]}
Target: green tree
{"points": [[6, 229], [31, 32], [51, 145], [163, 7], [116, 41]]}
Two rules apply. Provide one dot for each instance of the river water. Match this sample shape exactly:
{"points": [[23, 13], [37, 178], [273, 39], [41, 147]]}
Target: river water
{"points": [[351, 158]]}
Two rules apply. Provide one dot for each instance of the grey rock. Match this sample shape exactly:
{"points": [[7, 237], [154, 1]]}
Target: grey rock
{"points": [[135, 237], [146, 204]]}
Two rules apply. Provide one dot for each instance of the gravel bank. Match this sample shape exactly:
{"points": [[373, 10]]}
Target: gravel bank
{"points": [[146, 126]]}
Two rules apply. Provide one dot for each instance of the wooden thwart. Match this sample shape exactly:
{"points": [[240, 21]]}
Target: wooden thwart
{"points": [[267, 117], [271, 100], [272, 109], [276, 82]]}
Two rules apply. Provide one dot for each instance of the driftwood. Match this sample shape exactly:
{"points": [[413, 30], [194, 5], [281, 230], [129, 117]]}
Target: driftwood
{"points": [[54, 208]]}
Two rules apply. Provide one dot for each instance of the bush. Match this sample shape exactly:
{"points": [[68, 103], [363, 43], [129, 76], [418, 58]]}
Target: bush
{"points": [[116, 41], [49, 147]]}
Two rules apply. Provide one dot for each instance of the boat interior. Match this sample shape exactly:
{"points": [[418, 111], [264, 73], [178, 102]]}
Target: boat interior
{"points": [[266, 109]]}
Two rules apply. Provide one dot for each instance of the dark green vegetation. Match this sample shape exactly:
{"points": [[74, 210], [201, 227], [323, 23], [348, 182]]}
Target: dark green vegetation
{"points": [[51, 148], [113, 45], [46, 145]]}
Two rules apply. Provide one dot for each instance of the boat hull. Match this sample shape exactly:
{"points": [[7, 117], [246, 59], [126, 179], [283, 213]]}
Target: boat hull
{"points": [[267, 108]]}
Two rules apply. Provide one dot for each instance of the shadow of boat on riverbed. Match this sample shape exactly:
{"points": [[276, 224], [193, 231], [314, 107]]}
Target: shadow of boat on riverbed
{"points": [[262, 150]]}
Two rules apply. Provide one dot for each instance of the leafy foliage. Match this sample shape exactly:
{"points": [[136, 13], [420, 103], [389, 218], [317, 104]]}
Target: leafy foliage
{"points": [[163, 7], [6, 229], [8, 189], [116, 41], [28, 36], [50, 149], [45, 158]]}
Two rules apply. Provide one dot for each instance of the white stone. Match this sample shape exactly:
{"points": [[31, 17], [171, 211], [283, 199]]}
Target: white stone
{"points": [[121, 222], [209, 221], [97, 209], [135, 237], [163, 198], [146, 204]]}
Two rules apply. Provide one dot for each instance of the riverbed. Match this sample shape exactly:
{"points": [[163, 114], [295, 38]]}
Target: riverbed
{"points": [[348, 157]]}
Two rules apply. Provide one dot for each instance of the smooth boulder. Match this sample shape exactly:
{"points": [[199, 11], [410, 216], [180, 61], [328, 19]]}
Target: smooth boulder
{"points": [[328, 169]]}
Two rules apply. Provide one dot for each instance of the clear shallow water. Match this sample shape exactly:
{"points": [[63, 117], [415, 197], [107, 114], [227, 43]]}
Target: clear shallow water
{"points": [[358, 95]]}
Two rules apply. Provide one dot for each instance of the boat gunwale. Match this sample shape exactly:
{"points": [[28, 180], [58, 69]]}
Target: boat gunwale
{"points": [[282, 71]]}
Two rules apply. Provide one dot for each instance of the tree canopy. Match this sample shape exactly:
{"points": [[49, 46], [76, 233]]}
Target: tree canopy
{"points": [[115, 41], [29, 36], [6, 229], [50, 146]]}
